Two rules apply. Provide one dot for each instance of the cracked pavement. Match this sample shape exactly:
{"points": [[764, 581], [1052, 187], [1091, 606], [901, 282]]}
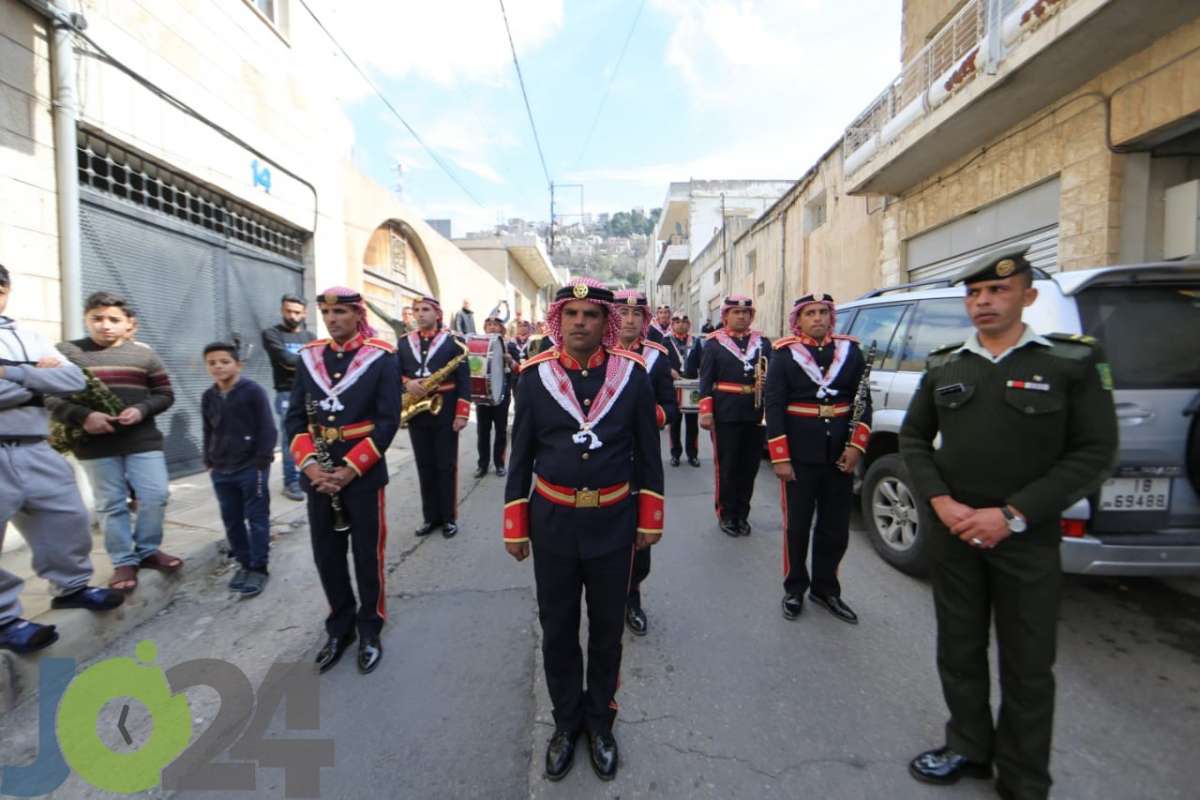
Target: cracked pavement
{"points": [[723, 699]]}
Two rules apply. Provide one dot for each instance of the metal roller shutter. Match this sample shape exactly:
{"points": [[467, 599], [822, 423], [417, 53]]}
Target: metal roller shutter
{"points": [[196, 267], [1043, 253]]}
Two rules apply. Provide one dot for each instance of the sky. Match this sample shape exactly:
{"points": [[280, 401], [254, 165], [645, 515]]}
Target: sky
{"points": [[707, 89]]}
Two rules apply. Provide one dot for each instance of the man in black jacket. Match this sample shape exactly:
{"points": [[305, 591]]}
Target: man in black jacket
{"points": [[282, 343], [684, 350]]}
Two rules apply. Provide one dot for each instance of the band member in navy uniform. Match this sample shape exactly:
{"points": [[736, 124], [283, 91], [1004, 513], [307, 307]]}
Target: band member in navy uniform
{"points": [[518, 349], [352, 378], [494, 417], [435, 436], [586, 419], [684, 350], [659, 327], [731, 378], [811, 388], [634, 314]]}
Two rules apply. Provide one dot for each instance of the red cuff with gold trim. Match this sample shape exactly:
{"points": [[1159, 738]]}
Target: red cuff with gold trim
{"points": [[462, 408], [861, 436], [660, 416], [302, 449], [363, 456], [650, 511], [780, 453], [516, 521], [706, 405]]}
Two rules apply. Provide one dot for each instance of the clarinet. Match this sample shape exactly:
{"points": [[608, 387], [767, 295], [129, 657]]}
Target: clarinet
{"points": [[861, 394], [341, 523]]}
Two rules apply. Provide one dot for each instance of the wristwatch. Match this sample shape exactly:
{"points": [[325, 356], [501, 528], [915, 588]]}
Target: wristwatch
{"points": [[1016, 524]]}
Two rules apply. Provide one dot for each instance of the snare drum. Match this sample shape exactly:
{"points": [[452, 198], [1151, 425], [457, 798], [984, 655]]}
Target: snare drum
{"points": [[486, 361], [687, 394]]}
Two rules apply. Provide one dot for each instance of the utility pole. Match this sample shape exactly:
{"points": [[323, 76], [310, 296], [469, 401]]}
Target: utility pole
{"points": [[552, 218], [724, 258], [553, 185]]}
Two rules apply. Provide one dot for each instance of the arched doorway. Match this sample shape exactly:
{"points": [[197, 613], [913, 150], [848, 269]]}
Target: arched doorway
{"points": [[396, 271]]}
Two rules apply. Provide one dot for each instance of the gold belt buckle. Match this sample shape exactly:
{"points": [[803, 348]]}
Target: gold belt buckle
{"points": [[825, 411], [587, 498], [331, 434]]}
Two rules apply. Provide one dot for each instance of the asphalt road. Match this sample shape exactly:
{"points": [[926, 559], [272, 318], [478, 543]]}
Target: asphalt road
{"points": [[724, 698]]}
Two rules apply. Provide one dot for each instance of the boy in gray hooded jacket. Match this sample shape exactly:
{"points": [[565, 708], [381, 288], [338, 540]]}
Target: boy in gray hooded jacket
{"points": [[37, 486]]}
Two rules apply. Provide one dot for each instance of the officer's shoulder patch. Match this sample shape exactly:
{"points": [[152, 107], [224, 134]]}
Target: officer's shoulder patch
{"points": [[316, 343], [662, 348], [784, 342], [545, 355], [1074, 346], [712, 335], [847, 337], [632, 356], [382, 344], [942, 355]]}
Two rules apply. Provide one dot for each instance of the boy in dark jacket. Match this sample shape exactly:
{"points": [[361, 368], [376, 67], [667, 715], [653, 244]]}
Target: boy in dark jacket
{"points": [[239, 445]]}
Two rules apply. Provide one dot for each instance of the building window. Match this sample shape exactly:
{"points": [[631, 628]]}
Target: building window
{"points": [[751, 261], [716, 276], [814, 213], [274, 12], [398, 247], [762, 288]]}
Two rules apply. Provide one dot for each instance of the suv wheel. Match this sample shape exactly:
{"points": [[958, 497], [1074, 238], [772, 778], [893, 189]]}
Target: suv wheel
{"points": [[894, 517]]}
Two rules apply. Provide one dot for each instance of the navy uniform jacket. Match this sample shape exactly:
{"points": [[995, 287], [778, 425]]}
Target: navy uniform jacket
{"points": [[658, 368], [654, 333], [548, 446], [358, 425], [796, 431], [418, 357], [520, 354], [726, 382], [685, 355]]}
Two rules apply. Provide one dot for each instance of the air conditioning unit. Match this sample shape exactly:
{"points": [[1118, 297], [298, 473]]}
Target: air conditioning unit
{"points": [[1181, 220]]}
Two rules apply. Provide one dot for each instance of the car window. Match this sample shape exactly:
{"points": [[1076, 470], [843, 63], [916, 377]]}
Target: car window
{"points": [[878, 324], [1149, 333], [844, 320], [934, 323]]}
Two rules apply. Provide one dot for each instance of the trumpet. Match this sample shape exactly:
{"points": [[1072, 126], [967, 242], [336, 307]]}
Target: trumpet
{"points": [[760, 378], [411, 405]]}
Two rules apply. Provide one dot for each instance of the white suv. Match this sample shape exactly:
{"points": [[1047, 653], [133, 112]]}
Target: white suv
{"points": [[1145, 520]]}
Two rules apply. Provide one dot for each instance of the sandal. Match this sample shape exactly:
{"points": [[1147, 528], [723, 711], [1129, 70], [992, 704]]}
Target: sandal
{"points": [[124, 579], [158, 560]]}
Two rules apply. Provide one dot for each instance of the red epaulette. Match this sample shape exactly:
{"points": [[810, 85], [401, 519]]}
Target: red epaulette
{"points": [[844, 336], [382, 344], [632, 356], [662, 348], [712, 335], [545, 355], [784, 342], [317, 343]]}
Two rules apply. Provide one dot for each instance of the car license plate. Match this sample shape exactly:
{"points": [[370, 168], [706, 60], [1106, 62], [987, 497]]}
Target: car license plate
{"points": [[1135, 494]]}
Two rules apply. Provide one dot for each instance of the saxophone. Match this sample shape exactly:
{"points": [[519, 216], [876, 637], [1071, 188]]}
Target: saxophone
{"points": [[760, 378], [410, 405]]}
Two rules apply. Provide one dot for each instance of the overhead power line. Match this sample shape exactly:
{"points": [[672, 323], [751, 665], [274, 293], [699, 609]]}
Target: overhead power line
{"points": [[412, 131], [608, 87], [524, 94]]}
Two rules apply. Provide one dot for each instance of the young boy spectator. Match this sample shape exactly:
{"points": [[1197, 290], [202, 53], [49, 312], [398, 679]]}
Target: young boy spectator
{"points": [[283, 342], [37, 487], [239, 446], [124, 451]]}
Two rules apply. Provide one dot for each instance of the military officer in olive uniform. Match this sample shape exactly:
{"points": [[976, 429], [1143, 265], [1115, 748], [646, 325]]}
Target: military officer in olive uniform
{"points": [[352, 382], [1028, 427]]}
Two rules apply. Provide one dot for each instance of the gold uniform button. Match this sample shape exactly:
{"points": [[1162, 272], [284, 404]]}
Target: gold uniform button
{"points": [[332, 417], [339, 355], [585, 456], [587, 401], [583, 372], [337, 374]]}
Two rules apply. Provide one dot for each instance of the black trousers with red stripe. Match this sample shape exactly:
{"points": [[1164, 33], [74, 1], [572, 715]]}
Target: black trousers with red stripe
{"points": [[366, 540], [825, 490], [436, 450], [737, 449]]}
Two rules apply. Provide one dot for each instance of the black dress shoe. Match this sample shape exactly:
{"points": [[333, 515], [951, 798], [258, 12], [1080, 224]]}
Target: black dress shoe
{"points": [[635, 619], [449, 530], [944, 766], [743, 526], [793, 605], [331, 652], [481, 472], [836, 607], [674, 461], [93, 598], [695, 462], [604, 755], [425, 529], [730, 528], [501, 472], [370, 652], [560, 754]]}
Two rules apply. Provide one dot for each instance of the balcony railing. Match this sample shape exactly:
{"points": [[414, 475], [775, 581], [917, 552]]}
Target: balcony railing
{"points": [[947, 63]]}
